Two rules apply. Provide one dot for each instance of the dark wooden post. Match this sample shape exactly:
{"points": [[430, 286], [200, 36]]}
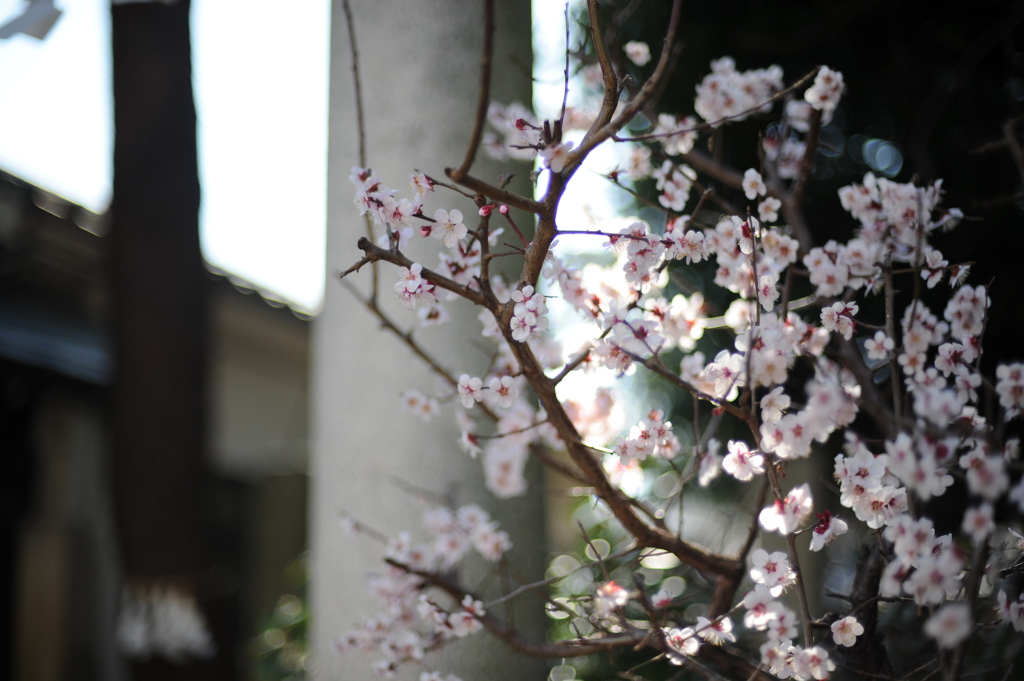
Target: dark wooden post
{"points": [[160, 318]]}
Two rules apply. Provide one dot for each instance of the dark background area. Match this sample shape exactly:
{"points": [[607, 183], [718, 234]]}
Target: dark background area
{"points": [[939, 81]]}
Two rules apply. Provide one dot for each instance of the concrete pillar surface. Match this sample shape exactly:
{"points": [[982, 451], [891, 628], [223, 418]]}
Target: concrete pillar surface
{"points": [[420, 67]]}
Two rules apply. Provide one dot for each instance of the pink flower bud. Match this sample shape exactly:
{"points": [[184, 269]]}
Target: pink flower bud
{"points": [[486, 210], [503, 209]]}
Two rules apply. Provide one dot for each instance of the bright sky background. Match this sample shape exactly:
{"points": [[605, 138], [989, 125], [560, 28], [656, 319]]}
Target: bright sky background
{"points": [[261, 88], [589, 202], [55, 104], [261, 81]]}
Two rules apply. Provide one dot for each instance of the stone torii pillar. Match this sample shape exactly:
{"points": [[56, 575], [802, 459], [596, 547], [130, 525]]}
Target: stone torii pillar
{"points": [[420, 71]]}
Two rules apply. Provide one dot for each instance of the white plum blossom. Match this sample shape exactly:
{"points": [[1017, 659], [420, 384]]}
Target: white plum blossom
{"points": [[412, 290], [503, 390], [448, 226], [846, 630], [609, 597], [741, 463], [824, 95], [715, 632], [676, 135], [950, 625], [726, 93], [768, 210], [638, 52], [682, 643], [767, 292], [827, 529], [1010, 388], [470, 390], [757, 602], [879, 347], [839, 318], [555, 155], [753, 185], [418, 404], [528, 321], [813, 663], [786, 515], [774, 404], [978, 522], [772, 570]]}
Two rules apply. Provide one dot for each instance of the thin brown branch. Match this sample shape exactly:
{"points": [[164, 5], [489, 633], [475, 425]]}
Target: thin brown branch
{"points": [[377, 253], [513, 638], [707, 165], [804, 173], [495, 194], [890, 331], [794, 558], [405, 336], [978, 565], [657, 366], [565, 88], [725, 119], [611, 84], [360, 127], [621, 506], [597, 135], [533, 586], [485, 94], [357, 83]]}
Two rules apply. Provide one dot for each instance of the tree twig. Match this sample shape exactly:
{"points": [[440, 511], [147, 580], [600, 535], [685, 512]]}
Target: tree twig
{"points": [[485, 94]]}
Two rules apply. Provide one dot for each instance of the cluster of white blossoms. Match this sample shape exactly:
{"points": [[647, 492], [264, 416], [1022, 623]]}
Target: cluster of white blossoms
{"points": [[653, 436], [637, 52], [863, 487], [412, 290], [826, 92], [414, 617], [767, 344], [528, 321], [728, 93], [677, 135], [516, 132], [415, 402], [1010, 387], [898, 218], [772, 574], [674, 181]]}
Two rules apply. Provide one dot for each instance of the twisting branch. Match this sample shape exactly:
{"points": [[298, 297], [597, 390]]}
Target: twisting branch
{"points": [[657, 366], [797, 195], [597, 135], [711, 125], [357, 83], [513, 638], [973, 584], [794, 558], [539, 453], [360, 124], [620, 506], [485, 94], [375, 253], [611, 84], [890, 331], [495, 194], [405, 336]]}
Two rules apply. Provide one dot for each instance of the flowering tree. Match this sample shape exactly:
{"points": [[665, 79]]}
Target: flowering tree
{"points": [[893, 400]]}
